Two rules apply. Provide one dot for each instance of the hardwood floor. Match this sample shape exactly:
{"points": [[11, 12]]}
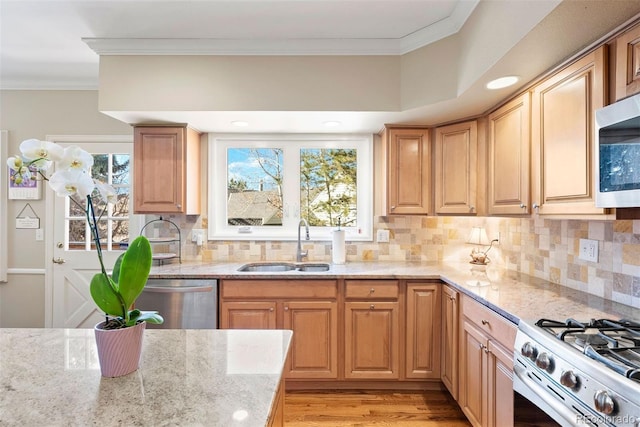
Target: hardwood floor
{"points": [[372, 408]]}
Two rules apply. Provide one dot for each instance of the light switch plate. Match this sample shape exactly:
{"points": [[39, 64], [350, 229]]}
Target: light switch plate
{"points": [[195, 233], [589, 250]]}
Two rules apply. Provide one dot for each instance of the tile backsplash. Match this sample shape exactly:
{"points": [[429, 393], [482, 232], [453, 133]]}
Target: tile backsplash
{"points": [[543, 248]]}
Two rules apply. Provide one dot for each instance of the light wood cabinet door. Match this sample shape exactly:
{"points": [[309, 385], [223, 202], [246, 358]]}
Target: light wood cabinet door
{"points": [[314, 347], [500, 386], [371, 340], [473, 372], [450, 334], [628, 63], [509, 158], [248, 315], [423, 331], [166, 170], [409, 171], [563, 113], [456, 168]]}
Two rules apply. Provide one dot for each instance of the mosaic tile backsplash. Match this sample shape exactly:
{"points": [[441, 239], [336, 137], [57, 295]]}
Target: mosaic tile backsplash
{"points": [[543, 248]]}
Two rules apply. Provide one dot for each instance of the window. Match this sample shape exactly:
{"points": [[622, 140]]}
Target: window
{"points": [[262, 185]]}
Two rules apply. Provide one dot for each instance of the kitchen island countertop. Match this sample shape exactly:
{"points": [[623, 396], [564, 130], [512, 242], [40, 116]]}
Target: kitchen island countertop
{"points": [[515, 295], [51, 377]]}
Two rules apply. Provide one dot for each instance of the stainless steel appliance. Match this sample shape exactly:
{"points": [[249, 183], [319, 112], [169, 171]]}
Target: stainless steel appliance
{"points": [[617, 154], [183, 303], [580, 373]]}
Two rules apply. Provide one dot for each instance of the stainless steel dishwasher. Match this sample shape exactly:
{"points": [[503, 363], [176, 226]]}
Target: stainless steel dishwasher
{"points": [[183, 303]]}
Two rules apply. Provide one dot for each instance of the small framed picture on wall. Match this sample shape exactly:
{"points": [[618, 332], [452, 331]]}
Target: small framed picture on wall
{"points": [[22, 187]]}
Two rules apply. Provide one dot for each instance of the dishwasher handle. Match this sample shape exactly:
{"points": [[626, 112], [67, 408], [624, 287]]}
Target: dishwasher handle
{"points": [[177, 289]]}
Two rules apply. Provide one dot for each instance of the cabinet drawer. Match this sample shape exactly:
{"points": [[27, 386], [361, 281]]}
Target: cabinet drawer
{"points": [[290, 289], [371, 289], [499, 328]]}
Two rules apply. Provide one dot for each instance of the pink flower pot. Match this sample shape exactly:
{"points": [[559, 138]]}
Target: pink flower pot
{"points": [[119, 350]]}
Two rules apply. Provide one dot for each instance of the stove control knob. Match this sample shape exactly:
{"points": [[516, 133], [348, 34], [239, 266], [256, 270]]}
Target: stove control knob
{"points": [[569, 379], [528, 350], [604, 402], [545, 362]]}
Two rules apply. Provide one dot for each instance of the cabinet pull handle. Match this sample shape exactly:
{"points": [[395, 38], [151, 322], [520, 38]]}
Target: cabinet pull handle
{"points": [[372, 307], [485, 322]]}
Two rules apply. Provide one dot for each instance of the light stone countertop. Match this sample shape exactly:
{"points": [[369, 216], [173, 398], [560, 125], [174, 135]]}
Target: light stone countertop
{"points": [[514, 295], [51, 377]]}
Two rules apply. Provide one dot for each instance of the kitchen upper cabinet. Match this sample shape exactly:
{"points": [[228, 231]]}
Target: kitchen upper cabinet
{"points": [[372, 329], [486, 366], [166, 170], [450, 334], [563, 113], [509, 147], [308, 308], [422, 355], [407, 159], [456, 168], [628, 63]]}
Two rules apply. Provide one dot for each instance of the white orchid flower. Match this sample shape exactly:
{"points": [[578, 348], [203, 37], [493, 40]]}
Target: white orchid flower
{"points": [[43, 151], [70, 182], [15, 163], [107, 192], [75, 158]]}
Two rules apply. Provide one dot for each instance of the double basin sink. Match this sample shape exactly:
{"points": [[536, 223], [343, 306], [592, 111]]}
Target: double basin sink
{"points": [[284, 266]]}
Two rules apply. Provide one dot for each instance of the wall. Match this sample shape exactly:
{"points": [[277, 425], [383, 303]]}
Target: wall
{"points": [[35, 114]]}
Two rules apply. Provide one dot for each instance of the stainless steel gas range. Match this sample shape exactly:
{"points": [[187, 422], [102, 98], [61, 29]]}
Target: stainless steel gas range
{"points": [[581, 373]]}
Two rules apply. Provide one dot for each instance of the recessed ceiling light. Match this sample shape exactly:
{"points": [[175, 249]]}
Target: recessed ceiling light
{"points": [[332, 123], [502, 82], [240, 123]]}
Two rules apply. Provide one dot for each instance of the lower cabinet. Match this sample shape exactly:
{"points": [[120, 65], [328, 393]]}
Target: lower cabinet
{"points": [[486, 366], [423, 328], [450, 337], [372, 329], [308, 308]]}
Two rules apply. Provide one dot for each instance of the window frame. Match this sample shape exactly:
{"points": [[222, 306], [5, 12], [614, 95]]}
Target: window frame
{"points": [[291, 144]]}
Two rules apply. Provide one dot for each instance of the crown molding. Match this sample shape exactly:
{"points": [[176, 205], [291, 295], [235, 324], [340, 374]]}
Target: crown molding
{"points": [[327, 46]]}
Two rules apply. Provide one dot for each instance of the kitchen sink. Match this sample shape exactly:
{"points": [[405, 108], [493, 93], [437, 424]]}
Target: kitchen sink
{"points": [[284, 266]]}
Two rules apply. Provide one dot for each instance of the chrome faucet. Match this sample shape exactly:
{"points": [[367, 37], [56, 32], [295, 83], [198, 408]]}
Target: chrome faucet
{"points": [[299, 252]]}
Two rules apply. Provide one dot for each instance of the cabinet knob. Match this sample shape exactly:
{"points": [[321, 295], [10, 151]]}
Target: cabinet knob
{"points": [[271, 309], [452, 298], [372, 290], [372, 307], [536, 206], [486, 349], [523, 206], [472, 208], [179, 206], [393, 208], [286, 308]]}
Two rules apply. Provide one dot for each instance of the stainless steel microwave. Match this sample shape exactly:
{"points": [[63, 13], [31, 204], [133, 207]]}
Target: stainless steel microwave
{"points": [[617, 154]]}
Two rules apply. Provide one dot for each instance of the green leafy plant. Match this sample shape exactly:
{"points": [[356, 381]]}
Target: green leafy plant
{"points": [[114, 294]]}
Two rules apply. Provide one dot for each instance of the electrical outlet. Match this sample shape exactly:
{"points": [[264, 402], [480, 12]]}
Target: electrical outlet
{"points": [[195, 233], [382, 236], [589, 250]]}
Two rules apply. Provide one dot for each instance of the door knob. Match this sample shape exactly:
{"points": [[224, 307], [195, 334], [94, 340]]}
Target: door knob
{"points": [[59, 260]]}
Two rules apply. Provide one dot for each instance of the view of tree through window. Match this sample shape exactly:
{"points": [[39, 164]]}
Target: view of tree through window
{"points": [[254, 186], [328, 186], [114, 224]]}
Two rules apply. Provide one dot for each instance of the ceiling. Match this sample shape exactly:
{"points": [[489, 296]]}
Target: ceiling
{"points": [[56, 44]]}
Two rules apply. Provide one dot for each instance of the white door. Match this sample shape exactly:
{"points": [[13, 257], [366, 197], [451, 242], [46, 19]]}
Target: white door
{"points": [[74, 259]]}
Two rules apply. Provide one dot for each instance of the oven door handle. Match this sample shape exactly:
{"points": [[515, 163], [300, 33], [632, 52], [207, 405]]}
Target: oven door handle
{"points": [[539, 392]]}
